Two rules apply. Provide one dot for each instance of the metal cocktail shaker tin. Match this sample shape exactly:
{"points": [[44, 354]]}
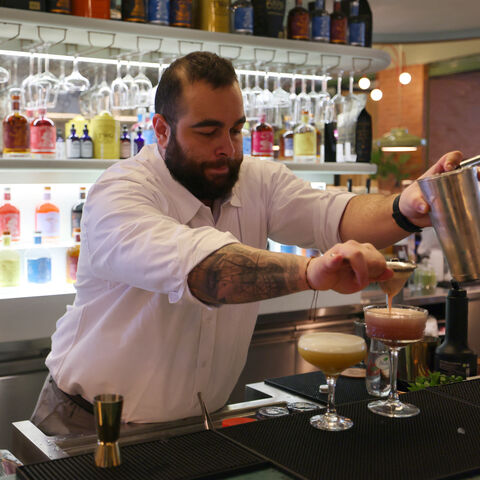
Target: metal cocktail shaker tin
{"points": [[454, 199]]}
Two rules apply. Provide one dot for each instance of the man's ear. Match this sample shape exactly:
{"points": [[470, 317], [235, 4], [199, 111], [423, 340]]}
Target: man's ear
{"points": [[162, 130]]}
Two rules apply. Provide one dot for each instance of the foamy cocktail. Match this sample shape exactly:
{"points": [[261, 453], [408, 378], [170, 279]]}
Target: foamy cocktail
{"points": [[398, 326], [395, 327], [331, 353]]}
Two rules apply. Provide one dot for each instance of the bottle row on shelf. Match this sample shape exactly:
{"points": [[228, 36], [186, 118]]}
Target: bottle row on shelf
{"points": [[350, 22], [36, 264]]}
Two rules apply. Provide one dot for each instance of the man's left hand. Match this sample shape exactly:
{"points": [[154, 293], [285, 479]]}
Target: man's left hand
{"points": [[412, 203]]}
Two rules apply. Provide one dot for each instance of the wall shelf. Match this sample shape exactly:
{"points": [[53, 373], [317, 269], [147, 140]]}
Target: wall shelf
{"points": [[63, 31]]}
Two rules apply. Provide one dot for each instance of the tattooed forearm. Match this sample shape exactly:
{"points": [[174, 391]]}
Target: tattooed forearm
{"points": [[237, 273]]}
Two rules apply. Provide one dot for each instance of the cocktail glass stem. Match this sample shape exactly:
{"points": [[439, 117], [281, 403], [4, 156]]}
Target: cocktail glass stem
{"points": [[393, 395], [331, 411]]}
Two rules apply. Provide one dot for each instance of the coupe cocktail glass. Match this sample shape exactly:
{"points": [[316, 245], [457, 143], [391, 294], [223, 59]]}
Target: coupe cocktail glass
{"points": [[401, 325], [331, 353]]}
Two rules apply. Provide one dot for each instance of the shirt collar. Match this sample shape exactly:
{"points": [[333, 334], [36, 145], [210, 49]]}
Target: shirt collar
{"points": [[187, 204]]}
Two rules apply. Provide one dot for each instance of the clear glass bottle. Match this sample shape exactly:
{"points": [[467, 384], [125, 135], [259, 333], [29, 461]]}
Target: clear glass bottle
{"points": [[320, 23], [47, 218], [298, 22], [38, 262], [9, 263], [9, 217], [16, 129], [305, 141], [241, 17], [72, 258], [73, 144], [60, 147], [77, 211], [86, 144], [125, 143], [377, 380]]}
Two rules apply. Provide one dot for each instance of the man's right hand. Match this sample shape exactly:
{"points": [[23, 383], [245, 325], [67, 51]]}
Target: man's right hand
{"points": [[348, 268]]}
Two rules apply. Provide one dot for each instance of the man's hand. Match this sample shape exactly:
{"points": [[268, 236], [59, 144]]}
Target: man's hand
{"points": [[412, 204], [348, 267]]}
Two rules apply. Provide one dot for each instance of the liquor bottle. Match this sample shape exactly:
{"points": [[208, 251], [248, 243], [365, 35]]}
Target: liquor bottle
{"points": [[47, 218], [72, 258], [73, 144], [298, 22], [338, 24], [356, 26], [214, 15], [115, 9], [10, 217], [363, 137], [241, 17], [38, 262], [181, 13], [262, 139], [148, 131], [305, 141], [366, 15], [43, 136], [139, 142], [330, 140], [320, 23], [159, 12], [134, 11], [9, 263], [247, 139], [268, 18], [453, 357], [125, 143], [91, 8], [16, 129], [86, 144], [77, 210], [59, 6], [60, 146], [105, 134], [286, 143]]}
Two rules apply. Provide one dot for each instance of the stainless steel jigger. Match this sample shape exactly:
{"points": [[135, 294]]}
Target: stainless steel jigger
{"points": [[401, 272], [108, 414]]}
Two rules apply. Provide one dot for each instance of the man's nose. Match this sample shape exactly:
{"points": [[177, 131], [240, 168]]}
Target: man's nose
{"points": [[226, 146]]}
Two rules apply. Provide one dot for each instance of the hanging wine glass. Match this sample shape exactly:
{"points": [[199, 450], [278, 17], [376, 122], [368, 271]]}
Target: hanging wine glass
{"points": [[101, 98], [281, 103], [323, 115], [132, 87], [255, 98], [4, 75], [76, 82], [338, 104], [119, 91], [353, 107], [144, 86], [266, 97], [303, 102], [247, 95], [27, 101], [293, 96], [47, 78]]}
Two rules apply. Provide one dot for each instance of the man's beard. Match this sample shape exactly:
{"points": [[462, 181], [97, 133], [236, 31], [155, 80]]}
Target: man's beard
{"points": [[191, 174]]}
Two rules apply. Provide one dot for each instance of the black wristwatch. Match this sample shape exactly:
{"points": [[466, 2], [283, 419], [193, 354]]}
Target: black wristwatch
{"points": [[401, 220]]}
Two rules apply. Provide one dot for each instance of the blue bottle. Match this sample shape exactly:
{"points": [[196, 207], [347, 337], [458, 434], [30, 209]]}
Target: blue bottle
{"points": [[38, 262], [159, 12], [139, 142]]}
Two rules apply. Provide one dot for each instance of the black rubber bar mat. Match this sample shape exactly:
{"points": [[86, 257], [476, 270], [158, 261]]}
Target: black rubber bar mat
{"points": [[443, 441], [306, 385], [198, 455], [468, 392]]}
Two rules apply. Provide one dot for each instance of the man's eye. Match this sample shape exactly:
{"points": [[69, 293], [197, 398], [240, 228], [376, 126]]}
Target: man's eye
{"points": [[207, 133], [236, 132]]}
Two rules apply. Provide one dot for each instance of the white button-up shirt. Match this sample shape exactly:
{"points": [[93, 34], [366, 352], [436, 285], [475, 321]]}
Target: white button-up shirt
{"points": [[135, 328]]}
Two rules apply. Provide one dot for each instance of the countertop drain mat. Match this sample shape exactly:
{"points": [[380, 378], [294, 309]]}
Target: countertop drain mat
{"points": [[443, 441], [466, 391], [199, 455], [307, 384]]}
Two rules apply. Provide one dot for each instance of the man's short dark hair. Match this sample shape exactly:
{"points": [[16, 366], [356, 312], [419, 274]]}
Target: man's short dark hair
{"points": [[194, 67]]}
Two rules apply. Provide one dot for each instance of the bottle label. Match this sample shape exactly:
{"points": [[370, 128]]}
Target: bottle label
{"points": [[455, 368], [288, 147], [305, 144], [43, 139], [243, 20], [158, 11], [321, 28], [181, 13], [299, 26], [86, 149], [11, 222], [73, 149], [247, 145], [9, 272], [39, 270], [338, 31], [49, 224], [357, 34], [262, 143], [125, 149]]}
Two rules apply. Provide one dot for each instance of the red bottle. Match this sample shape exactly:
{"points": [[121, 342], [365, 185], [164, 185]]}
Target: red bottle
{"points": [[262, 139], [43, 136], [10, 217]]}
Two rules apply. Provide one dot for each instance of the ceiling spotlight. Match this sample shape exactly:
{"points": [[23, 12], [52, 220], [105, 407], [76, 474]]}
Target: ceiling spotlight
{"points": [[364, 83], [376, 94], [404, 78]]}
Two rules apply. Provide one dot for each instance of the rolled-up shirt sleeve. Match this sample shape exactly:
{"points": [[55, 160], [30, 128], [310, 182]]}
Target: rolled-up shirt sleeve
{"points": [[130, 239]]}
